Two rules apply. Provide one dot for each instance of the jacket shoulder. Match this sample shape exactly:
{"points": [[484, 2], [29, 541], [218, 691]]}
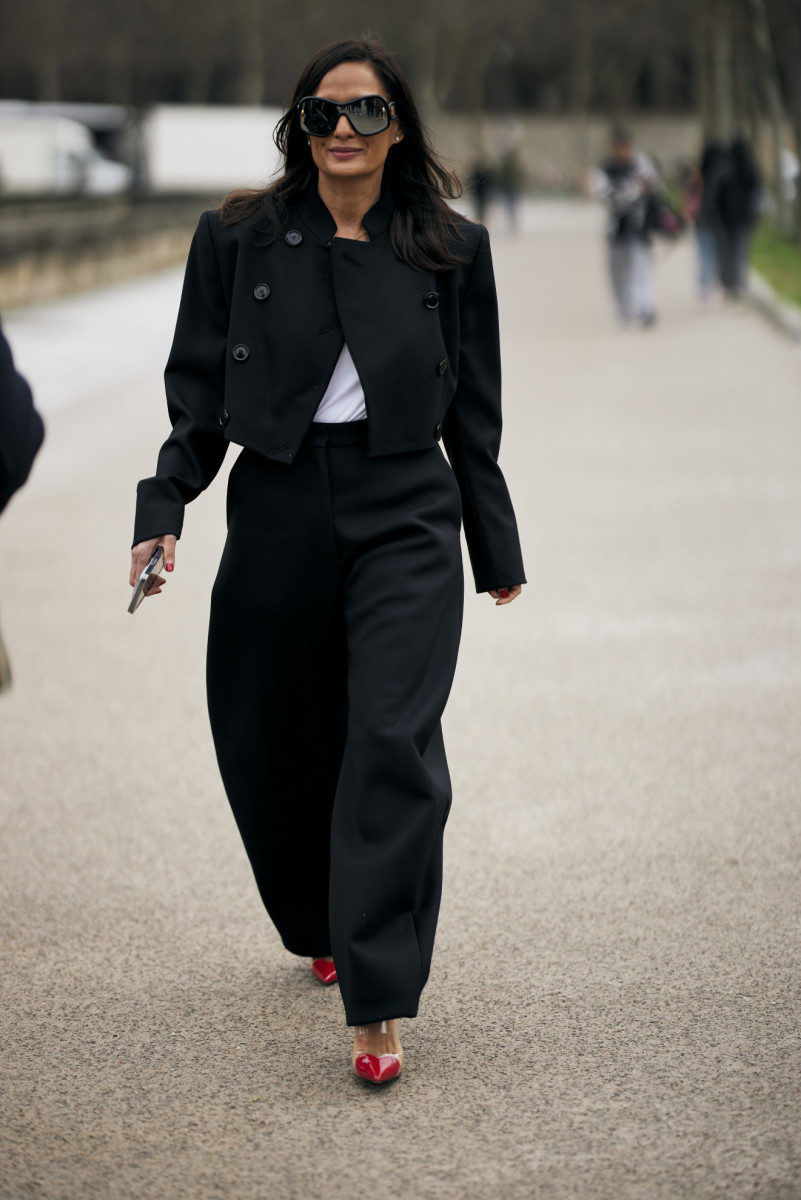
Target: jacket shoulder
{"points": [[221, 230], [471, 231], [467, 235], [464, 240]]}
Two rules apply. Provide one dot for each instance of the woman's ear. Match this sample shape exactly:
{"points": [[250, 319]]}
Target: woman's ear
{"points": [[398, 134]]}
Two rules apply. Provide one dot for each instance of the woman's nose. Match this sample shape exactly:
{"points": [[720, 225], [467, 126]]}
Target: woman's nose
{"points": [[343, 127]]}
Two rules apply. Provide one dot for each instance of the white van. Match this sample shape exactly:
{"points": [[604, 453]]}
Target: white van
{"points": [[41, 153], [209, 149]]}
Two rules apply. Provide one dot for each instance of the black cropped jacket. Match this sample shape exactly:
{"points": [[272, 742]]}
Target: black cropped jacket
{"points": [[259, 332]]}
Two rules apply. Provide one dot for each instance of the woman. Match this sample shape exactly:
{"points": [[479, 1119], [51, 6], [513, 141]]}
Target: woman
{"points": [[738, 211], [707, 219], [337, 324], [628, 181]]}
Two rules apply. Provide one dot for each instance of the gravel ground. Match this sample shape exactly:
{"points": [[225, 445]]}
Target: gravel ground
{"points": [[614, 1006]]}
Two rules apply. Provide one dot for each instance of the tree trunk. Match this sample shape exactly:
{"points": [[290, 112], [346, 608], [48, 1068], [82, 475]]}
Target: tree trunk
{"points": [[581, 79], [722, 77], [249, 85], [197, 81], [744, 83], [47, 75], [760, 32], [792, 63], [702, 68]]}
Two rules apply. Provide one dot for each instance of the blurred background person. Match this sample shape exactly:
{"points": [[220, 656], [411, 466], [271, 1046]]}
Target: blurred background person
{"points": [[790, 170], [21, 435], [739, 197], [509, 177], [478, 185], [626, 182], [700, 205]]}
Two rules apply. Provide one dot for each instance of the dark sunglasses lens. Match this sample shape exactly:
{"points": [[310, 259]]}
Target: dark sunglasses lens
{"points": [[369, 115], [318, 117]]}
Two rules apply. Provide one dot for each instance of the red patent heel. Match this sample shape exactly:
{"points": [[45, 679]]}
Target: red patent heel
{"points": [[324, 970], [384, 1065]]}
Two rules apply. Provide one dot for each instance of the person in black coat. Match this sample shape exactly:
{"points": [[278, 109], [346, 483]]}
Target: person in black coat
{"points": [[738, 199], [337, 325], [21, 435], [21, 427]]}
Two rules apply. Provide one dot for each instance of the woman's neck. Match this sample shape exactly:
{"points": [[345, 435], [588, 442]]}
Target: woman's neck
{"points": [[348, 202]]}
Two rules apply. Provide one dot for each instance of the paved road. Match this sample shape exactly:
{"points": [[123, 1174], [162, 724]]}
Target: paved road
{"points": [[614, 1006]]}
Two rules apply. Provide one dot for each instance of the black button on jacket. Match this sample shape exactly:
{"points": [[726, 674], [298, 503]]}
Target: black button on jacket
{"points": [[325, 291]]}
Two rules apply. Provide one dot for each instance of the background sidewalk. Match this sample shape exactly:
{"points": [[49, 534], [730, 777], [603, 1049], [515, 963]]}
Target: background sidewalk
{"points": [[614, 1006]]}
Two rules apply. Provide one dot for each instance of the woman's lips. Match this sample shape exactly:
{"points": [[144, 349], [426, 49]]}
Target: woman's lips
{"points": [[341, 152]]}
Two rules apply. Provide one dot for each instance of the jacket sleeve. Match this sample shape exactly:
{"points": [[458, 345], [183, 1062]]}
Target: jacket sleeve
{"points": [[195, 384], [21, 428], [472, 435]]}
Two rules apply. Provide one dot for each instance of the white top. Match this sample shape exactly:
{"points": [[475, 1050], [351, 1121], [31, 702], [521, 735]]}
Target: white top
{"points": [[344, 398]]}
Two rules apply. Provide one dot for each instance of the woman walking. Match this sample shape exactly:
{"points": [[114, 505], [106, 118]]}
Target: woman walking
{"points": [[627, 181], [702, 207], [336, 325], [738, 206]]}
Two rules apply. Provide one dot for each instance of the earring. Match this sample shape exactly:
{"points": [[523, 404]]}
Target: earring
{"points": [[397, 139], [308, 141]]}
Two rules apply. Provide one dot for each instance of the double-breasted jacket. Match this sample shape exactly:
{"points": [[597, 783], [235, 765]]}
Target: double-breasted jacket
{"points": [[260, 329]]}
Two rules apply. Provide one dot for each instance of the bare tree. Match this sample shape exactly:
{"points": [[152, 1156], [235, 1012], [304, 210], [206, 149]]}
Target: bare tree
{"points": [[769, 81], [574, 56]]}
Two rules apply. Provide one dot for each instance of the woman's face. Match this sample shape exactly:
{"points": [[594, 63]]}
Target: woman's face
{"points": [[345, 154]]}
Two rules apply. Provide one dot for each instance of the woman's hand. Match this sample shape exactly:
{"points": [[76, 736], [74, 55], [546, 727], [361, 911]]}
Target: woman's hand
{"points": [[506, 595], [142, 554]]}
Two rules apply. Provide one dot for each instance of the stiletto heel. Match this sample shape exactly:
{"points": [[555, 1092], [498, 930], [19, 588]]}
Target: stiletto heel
{"points": [[381, 1067], [324, 970]]}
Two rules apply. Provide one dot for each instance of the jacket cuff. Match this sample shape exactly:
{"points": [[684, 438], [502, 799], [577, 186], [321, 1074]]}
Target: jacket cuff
{"points": [[159, 509], [496, 557], [492, 582]]}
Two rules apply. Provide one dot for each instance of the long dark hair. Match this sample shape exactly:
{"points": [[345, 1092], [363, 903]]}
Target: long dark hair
{"points": [[425, 231]]}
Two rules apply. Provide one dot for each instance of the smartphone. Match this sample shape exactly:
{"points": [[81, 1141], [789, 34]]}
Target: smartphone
{"points": [[147, 579]]}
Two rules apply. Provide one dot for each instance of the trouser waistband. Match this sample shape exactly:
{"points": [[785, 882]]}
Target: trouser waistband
{"points": [[344, 433]]}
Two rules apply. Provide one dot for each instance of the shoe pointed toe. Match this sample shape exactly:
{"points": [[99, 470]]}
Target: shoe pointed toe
{"points": [[324, 970], [377, 1068]]}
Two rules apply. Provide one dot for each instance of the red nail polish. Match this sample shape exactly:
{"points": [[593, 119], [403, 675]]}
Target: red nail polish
{"points": [[504, 592], [169, 566]]}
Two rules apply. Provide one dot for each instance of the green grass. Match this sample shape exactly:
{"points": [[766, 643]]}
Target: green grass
{"points": [[779, 260]]}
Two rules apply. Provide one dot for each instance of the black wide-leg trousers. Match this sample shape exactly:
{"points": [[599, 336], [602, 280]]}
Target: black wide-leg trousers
{"points": [[335, 624]]}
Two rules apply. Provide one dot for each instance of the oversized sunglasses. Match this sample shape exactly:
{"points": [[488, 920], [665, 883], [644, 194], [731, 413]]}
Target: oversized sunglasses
{"points": [[367, 115]]}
